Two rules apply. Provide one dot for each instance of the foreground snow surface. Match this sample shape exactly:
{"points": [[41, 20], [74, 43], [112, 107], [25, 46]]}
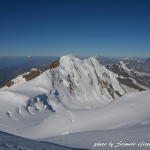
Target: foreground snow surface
{"points": [[131, 109], [12, 142], [130, 138], [136, 137]]}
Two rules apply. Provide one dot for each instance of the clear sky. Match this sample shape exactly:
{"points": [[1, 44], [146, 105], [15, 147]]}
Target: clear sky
{"points": [[80, 27]]}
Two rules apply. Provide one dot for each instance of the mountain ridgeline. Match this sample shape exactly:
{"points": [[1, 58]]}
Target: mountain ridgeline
{"points": [[84, 82], [128, 79]]}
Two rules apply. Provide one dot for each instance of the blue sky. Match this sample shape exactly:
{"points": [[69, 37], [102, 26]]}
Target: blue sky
{"points": [[80, 27]]}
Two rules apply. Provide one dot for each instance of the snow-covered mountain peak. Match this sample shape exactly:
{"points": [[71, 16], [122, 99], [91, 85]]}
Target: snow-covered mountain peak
{"points": [[87, 79], [74, 82]]}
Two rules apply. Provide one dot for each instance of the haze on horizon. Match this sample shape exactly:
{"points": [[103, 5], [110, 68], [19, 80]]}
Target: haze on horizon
{"points": [[79, 27]]}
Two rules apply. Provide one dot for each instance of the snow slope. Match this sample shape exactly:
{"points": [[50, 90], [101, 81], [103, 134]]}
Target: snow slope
{"points": [[130, 114], [128, 110], [76, 96], [122, 139], [18, 80], [12, 142]]}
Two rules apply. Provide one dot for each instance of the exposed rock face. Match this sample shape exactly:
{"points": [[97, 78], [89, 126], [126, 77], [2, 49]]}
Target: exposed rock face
{"points": [[118, 69], [129, 82], [128, 77], [32, 74], [10, 83], [53, 65], [147, 62], [23, 78]]}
